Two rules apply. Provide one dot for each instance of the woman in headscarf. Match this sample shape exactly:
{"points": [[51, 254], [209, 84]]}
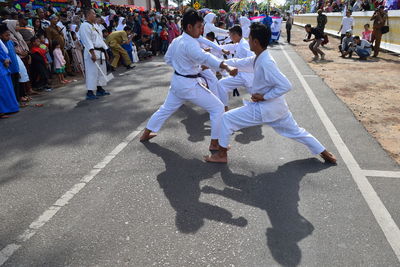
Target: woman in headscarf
{"points": [[121, 24], [173, 30], [8, 101], [209, 26]]}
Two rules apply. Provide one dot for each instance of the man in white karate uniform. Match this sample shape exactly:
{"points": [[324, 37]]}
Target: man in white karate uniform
{"points": [[245, 24], [186, 56], [94, 52], [268, 105], [240, 49]]}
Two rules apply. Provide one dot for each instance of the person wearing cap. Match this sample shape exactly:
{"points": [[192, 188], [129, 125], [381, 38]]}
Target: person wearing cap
{"points": [[345, 46], [347, 24], [26, 31], [379, 18]]}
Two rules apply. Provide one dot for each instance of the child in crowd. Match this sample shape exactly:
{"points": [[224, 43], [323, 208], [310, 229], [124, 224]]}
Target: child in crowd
{"points": [[44, 44], [59, 62], [77, 54], [164, 40], [367, 33], [40, 67]]}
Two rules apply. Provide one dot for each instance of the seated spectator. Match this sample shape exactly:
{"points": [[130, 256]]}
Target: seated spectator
{"points": [[367, 33], [143, 48], [362, 47], [344, 47]]}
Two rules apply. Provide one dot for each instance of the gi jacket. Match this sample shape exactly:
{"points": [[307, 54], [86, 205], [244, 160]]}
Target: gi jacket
{"points": [[269, 82], [186, 56]]}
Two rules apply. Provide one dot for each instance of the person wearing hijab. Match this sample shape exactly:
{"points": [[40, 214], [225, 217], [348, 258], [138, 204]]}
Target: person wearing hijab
{"points": [[245, 24], [121, 24], [209, 26], [8, 101]]}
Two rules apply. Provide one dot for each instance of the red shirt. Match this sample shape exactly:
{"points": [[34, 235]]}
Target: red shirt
{"points": [[164, 35], [41, 51]]}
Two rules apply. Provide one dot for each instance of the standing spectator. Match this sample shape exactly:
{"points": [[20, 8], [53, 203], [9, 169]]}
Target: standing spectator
{"points": [[94, 57], [37, 27], [173, 30], [40, 67], [114, 41], [59, 62], [77, 54], [316, 42], [366, 5], [26, 31], [164, 40], [347, 24], [379, 18], [43, 22], [289, 23], [322, 20], [8, 101], [367, 33]]}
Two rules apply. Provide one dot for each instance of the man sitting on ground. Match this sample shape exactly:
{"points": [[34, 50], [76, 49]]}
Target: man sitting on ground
{"points": [[362, 47], [345, 47], [143, 48]]}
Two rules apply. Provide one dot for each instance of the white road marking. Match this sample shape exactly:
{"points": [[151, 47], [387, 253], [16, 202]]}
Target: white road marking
{"points": [[46, 216], [384, 174], [381, 214]]}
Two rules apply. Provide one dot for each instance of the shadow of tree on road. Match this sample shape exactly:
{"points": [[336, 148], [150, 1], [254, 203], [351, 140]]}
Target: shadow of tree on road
{"points": [[248, 135], [278, 194], [181, 185]]}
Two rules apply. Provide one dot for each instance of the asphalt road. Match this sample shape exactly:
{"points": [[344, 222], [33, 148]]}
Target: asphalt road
{"points": [[77, 188]]}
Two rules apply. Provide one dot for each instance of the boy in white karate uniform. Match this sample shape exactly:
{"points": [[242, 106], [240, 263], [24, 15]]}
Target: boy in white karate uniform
{"points": [[268, 105], [186, 56], [240, 49]]}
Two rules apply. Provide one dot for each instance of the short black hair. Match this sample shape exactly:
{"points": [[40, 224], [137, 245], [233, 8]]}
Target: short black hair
{"points": [[3, 28], [357, 37], [210, 35], [86, 11], [260, 32], [127, 28], [367, 25], [34, 38], [307, 26], [191, 17], [236, 29]]}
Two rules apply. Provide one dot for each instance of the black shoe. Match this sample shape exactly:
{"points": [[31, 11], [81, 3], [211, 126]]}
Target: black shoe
{"points": [[112, 69], [130, 67]]}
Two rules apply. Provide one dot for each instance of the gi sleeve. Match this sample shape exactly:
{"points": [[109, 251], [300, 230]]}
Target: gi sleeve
{"points": [[196, 54], [273, 76], [208, 43], [242, 64], [85, 33], [230, 47], [171, 51]]}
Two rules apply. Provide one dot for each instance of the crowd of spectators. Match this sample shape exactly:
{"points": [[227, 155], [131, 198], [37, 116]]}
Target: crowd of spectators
{"points": [[41, 48]]}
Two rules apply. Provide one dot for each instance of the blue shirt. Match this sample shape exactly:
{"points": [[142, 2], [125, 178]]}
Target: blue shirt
{"points": [[267, 21]]}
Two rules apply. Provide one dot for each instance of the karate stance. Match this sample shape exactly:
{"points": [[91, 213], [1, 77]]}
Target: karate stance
{"points": [[94, 52], [209, 26], [241, 49], [268, 105], [186, 56]]}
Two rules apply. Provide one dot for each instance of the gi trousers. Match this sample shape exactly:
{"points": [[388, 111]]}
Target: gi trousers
{"points": [[250, 115], [118, 52], [227, 85], [200, 97], [93, 76]]}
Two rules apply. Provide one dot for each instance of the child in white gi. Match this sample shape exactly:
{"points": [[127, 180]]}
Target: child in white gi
{"points": [[268, 105], [186, 55]]}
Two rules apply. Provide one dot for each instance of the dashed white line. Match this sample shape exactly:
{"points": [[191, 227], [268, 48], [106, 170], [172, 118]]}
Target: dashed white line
{"points": [[46, 216], [378, 209], [383, 174]]}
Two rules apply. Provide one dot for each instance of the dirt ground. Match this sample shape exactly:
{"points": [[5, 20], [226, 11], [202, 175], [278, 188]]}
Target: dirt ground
{"points": [[371, 89]]}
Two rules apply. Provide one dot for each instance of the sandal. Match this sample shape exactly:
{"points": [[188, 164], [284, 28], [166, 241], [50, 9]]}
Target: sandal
{"points": [[4, 116]]}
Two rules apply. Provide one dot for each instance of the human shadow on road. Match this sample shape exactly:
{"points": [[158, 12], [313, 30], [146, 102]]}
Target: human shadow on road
{"points": [[194, 123], [248, 135], [278, 194], [181, 185]]}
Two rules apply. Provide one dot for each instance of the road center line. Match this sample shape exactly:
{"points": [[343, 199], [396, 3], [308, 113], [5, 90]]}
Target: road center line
{"points": [[46, 216], [381, 214], [384, 174]]}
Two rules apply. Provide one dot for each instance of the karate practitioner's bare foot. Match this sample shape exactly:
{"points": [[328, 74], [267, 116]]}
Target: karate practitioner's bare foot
{"points": [[220, 157], [147, 135], [328, 157]]}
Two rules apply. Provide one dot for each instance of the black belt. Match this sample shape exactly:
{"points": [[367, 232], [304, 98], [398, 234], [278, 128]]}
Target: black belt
{"points": [[101, 54], [189, 76]]}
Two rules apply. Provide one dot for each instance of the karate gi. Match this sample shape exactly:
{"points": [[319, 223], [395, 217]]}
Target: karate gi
{"points": [[245, 24], [185, 56], [243, 79], [210, 27], [91, 38], [272, 84]]}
